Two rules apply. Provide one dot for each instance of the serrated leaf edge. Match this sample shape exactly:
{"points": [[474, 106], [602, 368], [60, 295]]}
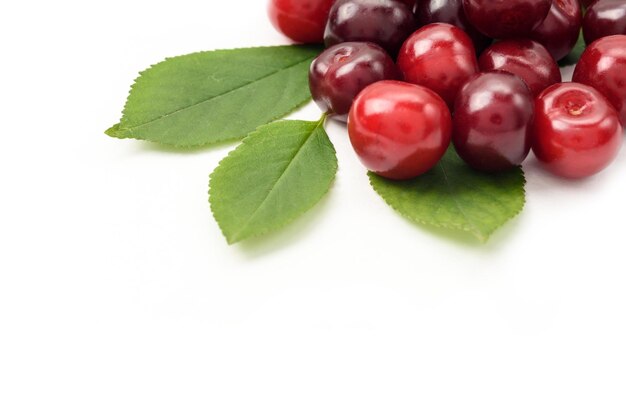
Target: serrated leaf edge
{"points": [[115, 128], [290, 219], [483, 238], [115, 131]]}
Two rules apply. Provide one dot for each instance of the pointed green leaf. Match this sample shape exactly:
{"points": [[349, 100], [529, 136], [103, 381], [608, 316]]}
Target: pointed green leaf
{"points": [[215, 96], [276, 174], [454, 196]]}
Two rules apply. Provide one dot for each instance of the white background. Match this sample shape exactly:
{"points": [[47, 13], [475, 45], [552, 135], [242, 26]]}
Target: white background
{"points": [[120, 298]]}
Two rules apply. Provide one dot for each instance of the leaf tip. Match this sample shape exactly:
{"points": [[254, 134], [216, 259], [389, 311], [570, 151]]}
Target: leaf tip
{"points": [[114, 131], [481, 237]]}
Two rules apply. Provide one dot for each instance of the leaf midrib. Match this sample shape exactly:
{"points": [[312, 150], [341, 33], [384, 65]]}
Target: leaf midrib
{"points": [[236, 235], [456, 202], [167, 115]]}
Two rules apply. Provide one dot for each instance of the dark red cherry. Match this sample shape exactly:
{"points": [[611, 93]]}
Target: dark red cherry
{"points": [[493, 121], [506, 18], [384, 22], [343, 70], [450, 11], [576, 131], [301, 20], [587, 3], [604, 18], [527, 59], [438, 56], [399, 130], [560, 29], [603, 66]]}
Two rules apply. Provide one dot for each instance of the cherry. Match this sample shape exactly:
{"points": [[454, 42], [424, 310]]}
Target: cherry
{"points": [[604, 18], [438, 56], [527, 59], [560, 29], [577, 132], [451, 11], [493, 121], [300, 20], [384, 22], [399, 130], [603, 66], [506, 18], [338, 74]]}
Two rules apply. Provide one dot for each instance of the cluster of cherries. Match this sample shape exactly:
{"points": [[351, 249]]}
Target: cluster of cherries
{"points": [[409, 77]]}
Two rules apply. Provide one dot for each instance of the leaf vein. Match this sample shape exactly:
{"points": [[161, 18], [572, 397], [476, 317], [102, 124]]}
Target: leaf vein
{"points": [[246, 84], [280, 177], [456, 202]]}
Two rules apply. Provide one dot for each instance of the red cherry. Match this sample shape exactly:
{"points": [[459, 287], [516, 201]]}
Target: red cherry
{"points": [[450, 11], [339, 73], [577, 132], [300, 20], [438, 56], [384, 22], [604, 18], [493, 121], [506, 18], [399, 130], [603, 66], [527, 59], [560, 29]]}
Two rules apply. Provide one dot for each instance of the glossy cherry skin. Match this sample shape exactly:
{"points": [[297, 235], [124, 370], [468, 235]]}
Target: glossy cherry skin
{"points": [[527, 59], [560, 29], [384, 22], [506, 18], [604, 18], [492, 124], [438, 56], [603, 66], [399, 130], [338, 74], [577, 132], [300, 20], [450, 11]]}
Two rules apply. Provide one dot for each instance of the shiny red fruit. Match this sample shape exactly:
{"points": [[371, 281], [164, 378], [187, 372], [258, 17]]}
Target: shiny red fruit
{"points": [[560, 29], [527, 59], [384, 22], [506, 18], [577, 132], [300, 20], [603, 66], [399, 130], [339, 73], [493, 121], [604, 18], [438, 56], [450, 11]]}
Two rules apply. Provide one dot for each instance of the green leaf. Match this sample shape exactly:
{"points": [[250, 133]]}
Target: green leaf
{"points": [[276, 174], [574, 56], [454, 196], [210, 97]]}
